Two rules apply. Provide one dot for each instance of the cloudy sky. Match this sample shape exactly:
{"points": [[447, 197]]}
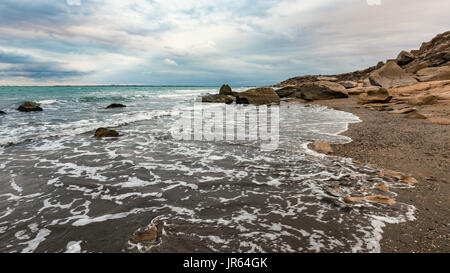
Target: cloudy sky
{"points": [[205, 42]]}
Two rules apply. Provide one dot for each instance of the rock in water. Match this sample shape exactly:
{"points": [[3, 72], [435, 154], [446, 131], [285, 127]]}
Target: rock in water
{"points": [[217, 99], [2, 113], [391, 75], [323, 147], [116, 105], [226, 90], [380, 95], [29, 106], [423, 100], [321, 90], [258, 96], [405, 58], [105, 132], [434, 74]]}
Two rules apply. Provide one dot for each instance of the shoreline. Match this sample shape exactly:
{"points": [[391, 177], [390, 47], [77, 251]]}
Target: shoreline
{"points": [[414, 147]]}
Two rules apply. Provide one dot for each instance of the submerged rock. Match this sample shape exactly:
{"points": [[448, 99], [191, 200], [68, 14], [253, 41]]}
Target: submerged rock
{"points": [[115, 105], [217, 99], [376, 95], [2, 113], [391, 75], [105, 132], [144, 238], [29, 106], [258, 96], [226, 90]]}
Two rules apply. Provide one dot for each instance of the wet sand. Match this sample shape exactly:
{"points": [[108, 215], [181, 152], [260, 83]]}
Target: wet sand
{"points": [[412, 146]]}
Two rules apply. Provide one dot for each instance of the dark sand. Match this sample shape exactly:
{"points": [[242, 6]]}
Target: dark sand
{"points": [[412, 146]]}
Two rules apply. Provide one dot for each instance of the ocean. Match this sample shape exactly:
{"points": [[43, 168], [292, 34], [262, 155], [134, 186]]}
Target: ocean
{"points": [[62, 190]]}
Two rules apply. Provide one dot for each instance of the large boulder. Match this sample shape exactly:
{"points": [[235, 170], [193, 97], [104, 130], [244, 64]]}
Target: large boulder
{"points": [[29, 106], [321, 90], [115, 105], [286, 92], [434, 74], [349, 84], [405, 58], [226, 90], [380, 95], [423, 100], [391, 75], [258, 96], [105, 132], [217, 99]]}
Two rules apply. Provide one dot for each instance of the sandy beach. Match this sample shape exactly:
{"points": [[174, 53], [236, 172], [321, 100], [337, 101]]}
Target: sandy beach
{"points": [[412, 146]]}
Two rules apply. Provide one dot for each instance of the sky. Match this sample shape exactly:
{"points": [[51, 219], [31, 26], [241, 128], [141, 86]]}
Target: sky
{"points": [[205, 42]]}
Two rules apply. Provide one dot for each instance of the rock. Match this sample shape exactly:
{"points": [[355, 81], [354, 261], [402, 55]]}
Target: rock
{"points": [[447, 56], [146, 235], [323, 147], [373, 198], [2, 113], [356, 91], [383, 187], [379, 95], [434, 74], [400, 176], [286, 91], [258, 96], [403, 110], [115, 105], [415, 115], [321, 90], [416, 67], [405, 58], [422, 100], [217, 99], [439, 120], [391, 75], [29, 106], [327, 78], [349, 84], [104, 132], [367, 83], [410, 180], [226, 90]]}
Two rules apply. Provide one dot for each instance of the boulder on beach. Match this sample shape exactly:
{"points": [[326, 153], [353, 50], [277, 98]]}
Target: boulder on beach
{"points": [[441, 73], [29, 106], [323, 147], [423, 100], [226, 90], [105, 132], [321, 90], [349, 84], [115, 105], [405, 57], [373, 198], [217, 99], [258, 96], [391, 75], [375, 95]]}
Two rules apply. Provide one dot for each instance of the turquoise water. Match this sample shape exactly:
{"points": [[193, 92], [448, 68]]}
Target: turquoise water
{"points": [[62, 190]]}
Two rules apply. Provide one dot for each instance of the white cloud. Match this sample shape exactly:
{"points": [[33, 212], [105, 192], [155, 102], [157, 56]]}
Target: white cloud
{"points": [[170, 62], [73, 2]]}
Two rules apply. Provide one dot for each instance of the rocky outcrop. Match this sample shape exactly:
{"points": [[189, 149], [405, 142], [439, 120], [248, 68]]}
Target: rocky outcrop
{"points": [[391, 75], [349, 84], [423, 100], [441, 73], [217, 99], [258, 96], [105, 132], [327, 78], [115, 105], [286, 92], [29, 106], [226, 90], [321, 90], [405, 58], [378, 95]]}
